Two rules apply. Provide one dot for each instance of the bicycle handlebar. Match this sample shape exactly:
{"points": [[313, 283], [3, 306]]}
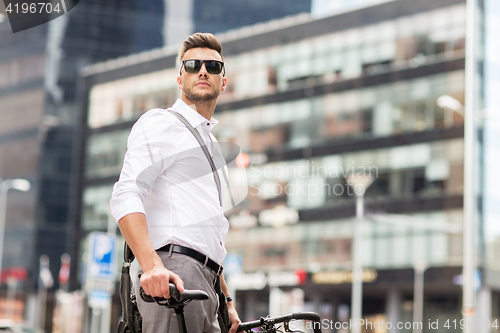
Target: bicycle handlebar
{"points": [[178, 298], [176, 295], [281, 319]]}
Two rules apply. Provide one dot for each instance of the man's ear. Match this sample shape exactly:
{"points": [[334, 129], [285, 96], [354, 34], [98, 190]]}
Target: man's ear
{"points": [[179, 82], [224, 84]]}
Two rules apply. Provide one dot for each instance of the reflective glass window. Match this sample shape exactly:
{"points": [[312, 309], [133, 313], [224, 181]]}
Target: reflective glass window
{"points": [[105, 154], [96, 213]]}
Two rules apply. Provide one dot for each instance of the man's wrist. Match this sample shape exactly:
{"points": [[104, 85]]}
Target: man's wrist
{"points": [[229, 299], [153, 262]]}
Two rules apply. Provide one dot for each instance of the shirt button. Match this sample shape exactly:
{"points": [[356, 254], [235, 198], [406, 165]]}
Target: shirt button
{"points": [[208, 124]]}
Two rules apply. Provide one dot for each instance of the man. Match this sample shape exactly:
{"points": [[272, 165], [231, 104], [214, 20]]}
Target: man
{"points": [[169, 214]]}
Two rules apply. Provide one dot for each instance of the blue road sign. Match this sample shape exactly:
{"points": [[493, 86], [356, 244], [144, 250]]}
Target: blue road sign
{"points": [[102, 259]]}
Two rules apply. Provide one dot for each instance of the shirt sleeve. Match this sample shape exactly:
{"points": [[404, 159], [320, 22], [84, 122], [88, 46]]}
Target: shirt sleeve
{"points": [[149, 153]]}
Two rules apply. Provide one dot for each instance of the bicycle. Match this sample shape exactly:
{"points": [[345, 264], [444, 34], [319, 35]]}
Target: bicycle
{"points": [[268, 324], [178, 300]]}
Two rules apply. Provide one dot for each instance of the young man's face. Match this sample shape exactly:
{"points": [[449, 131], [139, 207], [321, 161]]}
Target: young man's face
{"points": [[201, 86]]}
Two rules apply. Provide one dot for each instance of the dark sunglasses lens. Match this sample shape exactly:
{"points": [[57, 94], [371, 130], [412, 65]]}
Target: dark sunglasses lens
{"points": [[192, 66], [213, 67]]}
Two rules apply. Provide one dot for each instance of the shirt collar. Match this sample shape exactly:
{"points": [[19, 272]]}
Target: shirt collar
{"points": [[193, 117]]}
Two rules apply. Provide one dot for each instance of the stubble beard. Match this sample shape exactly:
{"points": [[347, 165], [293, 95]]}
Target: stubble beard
{"points": [[196, 97]]}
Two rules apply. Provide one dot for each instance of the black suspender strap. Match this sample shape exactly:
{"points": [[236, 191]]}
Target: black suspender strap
{"points": [[203, 146]]}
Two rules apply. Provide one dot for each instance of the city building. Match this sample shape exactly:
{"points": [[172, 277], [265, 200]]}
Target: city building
{"points": [[311, 100], [21, 113], [38, 111], [39, 72]]}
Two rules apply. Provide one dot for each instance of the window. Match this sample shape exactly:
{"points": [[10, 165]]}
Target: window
{"points": [[105, 154], [96, 213], [126, 99]]}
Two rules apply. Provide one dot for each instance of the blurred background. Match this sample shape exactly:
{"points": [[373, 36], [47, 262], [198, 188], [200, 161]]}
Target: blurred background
{"points": [[323, 95]]}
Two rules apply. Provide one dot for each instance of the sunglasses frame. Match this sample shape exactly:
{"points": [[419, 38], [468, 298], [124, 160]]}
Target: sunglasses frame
{"points": [[183, 64]]}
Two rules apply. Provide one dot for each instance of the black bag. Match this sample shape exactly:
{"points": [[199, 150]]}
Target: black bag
{"points": [[223, 313], [132, 319]]}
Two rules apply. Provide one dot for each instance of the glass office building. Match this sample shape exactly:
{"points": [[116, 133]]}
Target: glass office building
{"points": [[309, 101], [38, 75], [38, 107], [21, 112]]}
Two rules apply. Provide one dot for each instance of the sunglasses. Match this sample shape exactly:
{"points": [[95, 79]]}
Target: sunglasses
{"points": [[194, 66]]}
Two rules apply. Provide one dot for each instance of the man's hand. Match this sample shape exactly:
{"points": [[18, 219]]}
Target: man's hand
{"points": [[155, 281], [233, 315], [156, 277]]}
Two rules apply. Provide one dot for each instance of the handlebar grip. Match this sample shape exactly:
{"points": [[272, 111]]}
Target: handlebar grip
{"points": [[146, 297], [248, 325], [306, 316], [175, 295], [312, 316]]}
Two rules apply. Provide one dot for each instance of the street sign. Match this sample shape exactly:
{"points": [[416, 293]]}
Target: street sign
{"points": [[101, 262], [99, 299]]}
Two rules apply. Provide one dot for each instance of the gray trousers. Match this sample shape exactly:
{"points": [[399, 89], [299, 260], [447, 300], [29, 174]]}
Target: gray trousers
{"points": [[201, 316]]}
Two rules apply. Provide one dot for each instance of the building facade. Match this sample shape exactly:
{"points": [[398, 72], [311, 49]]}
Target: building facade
{"points": [[309, 102], [38, 111], [22, 99], [38, 73]]}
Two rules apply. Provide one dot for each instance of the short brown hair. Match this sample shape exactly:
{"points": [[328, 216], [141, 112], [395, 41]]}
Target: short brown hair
{"points": [[200, 39]]}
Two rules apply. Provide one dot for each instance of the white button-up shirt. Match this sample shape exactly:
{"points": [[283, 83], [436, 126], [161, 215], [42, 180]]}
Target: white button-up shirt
{"points": [[167, 177]]}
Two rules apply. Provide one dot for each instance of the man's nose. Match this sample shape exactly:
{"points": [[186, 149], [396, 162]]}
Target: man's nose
{"points": [[203, 70]]}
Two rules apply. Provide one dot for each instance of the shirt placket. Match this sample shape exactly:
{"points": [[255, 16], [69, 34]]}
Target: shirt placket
{"points": [[208, 139]]}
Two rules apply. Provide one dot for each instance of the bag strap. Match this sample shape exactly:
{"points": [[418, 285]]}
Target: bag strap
{"points": [[203, 146], [128, 255], [126, 287]]}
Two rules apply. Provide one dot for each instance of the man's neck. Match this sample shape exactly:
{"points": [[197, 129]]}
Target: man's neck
{"points": [[206, 108]]}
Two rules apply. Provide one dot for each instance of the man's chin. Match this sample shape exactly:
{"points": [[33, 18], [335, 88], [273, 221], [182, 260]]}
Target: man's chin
{"points": [[202, 97]]}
